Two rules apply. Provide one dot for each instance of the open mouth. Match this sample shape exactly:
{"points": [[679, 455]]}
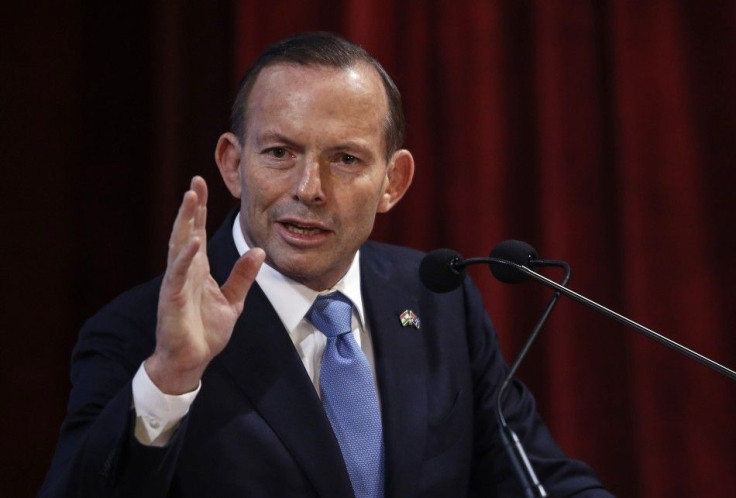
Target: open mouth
{"points": [[302, 229]]}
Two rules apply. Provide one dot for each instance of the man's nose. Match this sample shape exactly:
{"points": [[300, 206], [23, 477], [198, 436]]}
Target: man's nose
{"points": [[310, 186]]}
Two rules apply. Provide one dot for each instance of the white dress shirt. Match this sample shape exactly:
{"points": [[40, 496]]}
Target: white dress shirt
{"points": [[158, 414]]}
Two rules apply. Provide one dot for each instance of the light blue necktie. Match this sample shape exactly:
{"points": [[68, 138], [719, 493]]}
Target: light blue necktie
{"points": [[349, 395]]}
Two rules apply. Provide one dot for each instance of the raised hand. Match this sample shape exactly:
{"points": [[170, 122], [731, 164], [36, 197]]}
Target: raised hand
{"points": [[195, 315]]}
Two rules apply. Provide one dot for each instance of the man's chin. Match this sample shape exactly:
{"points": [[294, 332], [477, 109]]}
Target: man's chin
{"points": [[312, 273]]}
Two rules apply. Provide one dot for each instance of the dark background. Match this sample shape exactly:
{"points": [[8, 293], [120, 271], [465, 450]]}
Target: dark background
{"points": [[601, 132]]}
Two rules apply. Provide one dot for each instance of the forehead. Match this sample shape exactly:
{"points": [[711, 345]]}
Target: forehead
{"points": [[353, 95]]}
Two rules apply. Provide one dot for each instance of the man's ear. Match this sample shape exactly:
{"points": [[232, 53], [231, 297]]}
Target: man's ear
{"points": [[399, 173], [227, 156]]}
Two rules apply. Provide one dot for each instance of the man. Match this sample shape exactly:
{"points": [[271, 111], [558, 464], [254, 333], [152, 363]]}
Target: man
{"points": [[222, 377]]}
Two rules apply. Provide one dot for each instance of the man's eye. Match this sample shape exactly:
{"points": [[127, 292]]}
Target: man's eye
{"points": [[278, 152], [348, 159]]}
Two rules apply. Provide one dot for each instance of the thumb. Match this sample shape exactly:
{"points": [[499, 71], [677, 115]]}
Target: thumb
{"points": [[242, 276]]}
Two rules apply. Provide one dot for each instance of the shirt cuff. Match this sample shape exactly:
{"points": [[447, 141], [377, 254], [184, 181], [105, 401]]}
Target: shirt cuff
{"points": [[157, 414]]}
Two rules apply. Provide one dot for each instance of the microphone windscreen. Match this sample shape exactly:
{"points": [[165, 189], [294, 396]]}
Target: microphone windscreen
{"points": [[516, 251], [438, 271]]}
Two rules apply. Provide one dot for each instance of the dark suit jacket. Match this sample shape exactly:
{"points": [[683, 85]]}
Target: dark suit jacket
{"points": [[257, 427]]}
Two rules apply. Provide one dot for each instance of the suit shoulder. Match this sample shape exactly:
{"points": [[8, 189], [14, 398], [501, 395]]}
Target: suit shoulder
{"points": [[126, 316], [136, 301]]}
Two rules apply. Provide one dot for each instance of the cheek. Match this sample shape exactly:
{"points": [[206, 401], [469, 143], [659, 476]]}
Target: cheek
{"points": [[260, 191], [363, 210]]}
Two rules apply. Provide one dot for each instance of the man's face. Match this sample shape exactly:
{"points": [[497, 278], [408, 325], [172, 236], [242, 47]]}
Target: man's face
{"points": [[313, 169]]}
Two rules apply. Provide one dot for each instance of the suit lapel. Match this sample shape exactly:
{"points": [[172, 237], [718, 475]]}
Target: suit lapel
{"points": [[401, 371], [265, 365]]}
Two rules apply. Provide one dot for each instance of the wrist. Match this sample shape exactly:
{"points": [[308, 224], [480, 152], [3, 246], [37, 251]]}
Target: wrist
{"points": [[171, 378]]}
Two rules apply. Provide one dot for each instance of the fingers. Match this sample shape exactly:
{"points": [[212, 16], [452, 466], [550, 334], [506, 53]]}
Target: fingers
{"points": [[177, 270], [242, 276], [185, 257], [190, 220], [199, 186]]}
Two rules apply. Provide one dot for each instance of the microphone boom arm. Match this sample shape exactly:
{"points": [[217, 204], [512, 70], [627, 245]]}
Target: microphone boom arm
{"points": [[610, 313]]}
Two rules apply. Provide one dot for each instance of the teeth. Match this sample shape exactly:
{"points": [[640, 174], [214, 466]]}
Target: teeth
{"points": [[302, 230]]}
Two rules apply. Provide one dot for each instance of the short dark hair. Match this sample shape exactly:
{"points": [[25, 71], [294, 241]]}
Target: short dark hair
{"points": [[321, 49]]}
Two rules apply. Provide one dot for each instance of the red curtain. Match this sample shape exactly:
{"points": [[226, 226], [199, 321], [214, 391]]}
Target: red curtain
{"points": [[600, 132]]}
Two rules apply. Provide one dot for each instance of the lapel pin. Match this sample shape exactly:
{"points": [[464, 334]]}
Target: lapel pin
{"points": [[409, 319]]}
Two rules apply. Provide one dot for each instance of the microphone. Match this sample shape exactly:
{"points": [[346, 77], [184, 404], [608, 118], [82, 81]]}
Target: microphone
{"points": [[442, 270], [516, 251]]}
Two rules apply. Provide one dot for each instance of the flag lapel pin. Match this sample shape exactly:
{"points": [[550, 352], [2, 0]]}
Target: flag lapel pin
{"points": [[409, 319]]}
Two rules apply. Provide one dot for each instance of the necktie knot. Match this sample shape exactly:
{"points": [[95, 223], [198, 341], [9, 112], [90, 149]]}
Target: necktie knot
{"points": [[332, 314]]}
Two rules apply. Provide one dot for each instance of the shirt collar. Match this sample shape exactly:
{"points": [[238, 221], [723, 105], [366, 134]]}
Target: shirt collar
{"points": [[292, 300]]}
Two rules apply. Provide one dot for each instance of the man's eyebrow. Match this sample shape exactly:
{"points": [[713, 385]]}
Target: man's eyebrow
{"points": [[272, 136], [351, 146]]}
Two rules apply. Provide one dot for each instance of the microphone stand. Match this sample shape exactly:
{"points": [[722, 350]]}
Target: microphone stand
{"points": [[610, 313], [515, 450]]}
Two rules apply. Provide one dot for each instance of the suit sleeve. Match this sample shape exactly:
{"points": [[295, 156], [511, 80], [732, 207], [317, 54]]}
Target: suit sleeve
{"points": [[98, 454], [492, 472]]}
